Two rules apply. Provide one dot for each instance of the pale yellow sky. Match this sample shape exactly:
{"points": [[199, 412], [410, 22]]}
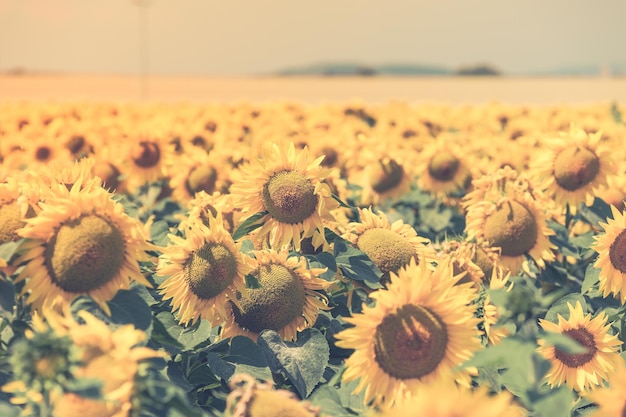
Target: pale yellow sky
{"points": [[236, 37]]}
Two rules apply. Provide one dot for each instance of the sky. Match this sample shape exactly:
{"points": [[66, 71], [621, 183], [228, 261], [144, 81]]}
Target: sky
{"points": [[245, 37]]}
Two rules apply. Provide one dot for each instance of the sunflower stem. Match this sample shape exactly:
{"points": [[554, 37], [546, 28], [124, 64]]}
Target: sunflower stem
{"points": [[568, 216], [44, 408]]}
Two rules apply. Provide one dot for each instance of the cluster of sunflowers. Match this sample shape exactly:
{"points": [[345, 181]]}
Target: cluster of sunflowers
{"points": [[280, 259]]}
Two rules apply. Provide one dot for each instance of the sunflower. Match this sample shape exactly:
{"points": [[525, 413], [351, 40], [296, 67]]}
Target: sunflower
{"points": [[573, 167], [390, 246], [290, 190], [59, 350], [60, 179], [40, 151], [611, 248], [493, 331], [286, 299], [204, 205], [41, 363], [196, 171], [443, 169], [611, 399], [145, 157], [205, 269], [421, 328], [81, 244], [444, 399], [614, 193], [505, 210], [17, 202], [108, 168], [478, 261], [581, 371], [250, 398], [382, 174], [111, 356]]}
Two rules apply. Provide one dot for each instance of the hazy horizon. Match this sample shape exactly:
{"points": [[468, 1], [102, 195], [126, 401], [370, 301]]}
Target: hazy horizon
{"points": [[211, 37]]}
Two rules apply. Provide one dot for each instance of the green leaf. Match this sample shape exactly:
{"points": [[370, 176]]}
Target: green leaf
{"points": [[516, 360], [145, 294], [560, 306], [8, 410], [327, 398], [356, 265], [127, 307], [592, 277], [244, 356], [556, 402], [340, 201], [331, 236], [86, 387], [169, 333], [350, 400], [250, 224], [7, 298], [303, 361], [149, 194], [159, 233], [583, 241], [252, 281], [247, 246], [156, 395], [7, 250], [437, 220], [200, 374], [502, 355], [598, 212], [324, 260]]}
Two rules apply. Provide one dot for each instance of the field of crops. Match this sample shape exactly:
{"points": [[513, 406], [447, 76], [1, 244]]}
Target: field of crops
{"points": [[285, 259]]}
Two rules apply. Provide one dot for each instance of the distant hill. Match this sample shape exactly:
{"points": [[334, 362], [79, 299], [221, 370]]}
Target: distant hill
{"points": [[407, 69], [345, 69], [607, 69]]}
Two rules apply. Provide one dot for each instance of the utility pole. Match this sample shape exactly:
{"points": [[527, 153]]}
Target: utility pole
{"points": [[144, 46]]}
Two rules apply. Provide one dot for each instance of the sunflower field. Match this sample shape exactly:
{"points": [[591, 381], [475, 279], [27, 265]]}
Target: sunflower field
{"points": [[283, 259]]}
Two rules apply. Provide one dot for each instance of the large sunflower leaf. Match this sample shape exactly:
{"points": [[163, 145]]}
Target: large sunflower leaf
{"points": [[244, 357], [592, 277], [127, 307], [560, 306], [169, 333], [555, 402], [159, 233], [598, 212], [324, 260], [250, 224], [356, 265], [303, 362], [9, 410], [327, 398], [8, 249]]}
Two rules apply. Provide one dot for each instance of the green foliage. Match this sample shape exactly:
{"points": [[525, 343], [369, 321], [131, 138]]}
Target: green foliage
{"points": [[303, 362], [191, 379], [127, 307], [597, 213], [356, 265], [250, 224], [430, 217], [243, 356], [338, 399], [170, 335]]}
